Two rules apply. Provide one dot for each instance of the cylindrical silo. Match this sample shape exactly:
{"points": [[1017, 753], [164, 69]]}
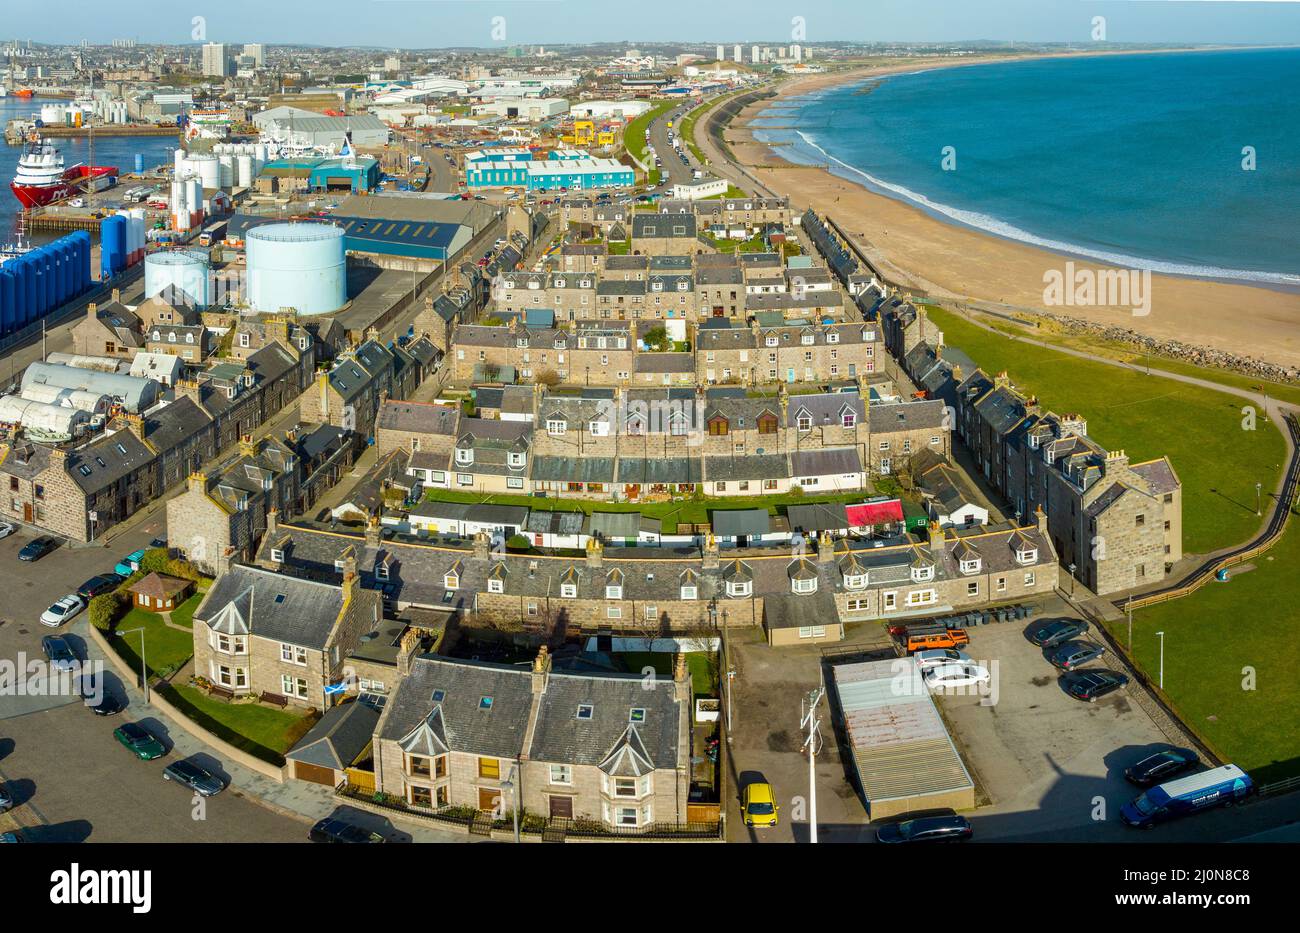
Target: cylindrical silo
{"points": [[207, 168], [21, 270], [112, 245], [296, 265], [179, 276], [178, 162], [244, 171], [41, 275], [60, 266], [8, 301]]}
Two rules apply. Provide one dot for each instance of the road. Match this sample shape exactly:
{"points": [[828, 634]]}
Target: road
{"points": [[673, 170]]}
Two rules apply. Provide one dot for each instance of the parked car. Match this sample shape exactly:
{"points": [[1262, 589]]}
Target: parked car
{"points": [[11, 837], [1160, 767], [139, 740], [937, 656], [1092, 685], [334, 830], [945, 638], [956, 675], [6, 529], [195, 778], [129, 564], [1052, 632], [101, 702], [58, 651], [1074, 654], [98, 585], [1218, 787], [758, 804], [37, 548], [949, 828], [63, 610], [6, 799]]}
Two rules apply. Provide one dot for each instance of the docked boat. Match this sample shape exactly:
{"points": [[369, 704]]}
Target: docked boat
{"points": [[42, 177]]}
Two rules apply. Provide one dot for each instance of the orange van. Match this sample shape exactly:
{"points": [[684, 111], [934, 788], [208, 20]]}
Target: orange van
{"points": [[948, 638]]}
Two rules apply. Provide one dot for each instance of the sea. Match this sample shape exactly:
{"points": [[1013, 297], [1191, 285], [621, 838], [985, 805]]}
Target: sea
{"points": [[1182, 163], [109, 150]]}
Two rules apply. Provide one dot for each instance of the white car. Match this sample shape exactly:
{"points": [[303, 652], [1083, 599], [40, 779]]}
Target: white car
{"points": [[956, 675], [6, 529], [65, 609], [939, 656]]}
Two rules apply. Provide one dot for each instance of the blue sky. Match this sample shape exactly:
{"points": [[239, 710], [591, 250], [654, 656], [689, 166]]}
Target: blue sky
{"points": [[429, 23]]}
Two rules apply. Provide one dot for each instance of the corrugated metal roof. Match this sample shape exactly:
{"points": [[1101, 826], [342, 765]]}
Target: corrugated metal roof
{"points": [[901, 747]]}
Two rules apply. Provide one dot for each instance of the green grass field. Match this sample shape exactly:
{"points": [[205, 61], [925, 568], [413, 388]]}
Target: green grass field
{"points": [[1214, 639], [166, 648], [259, 730], [1200, 430]]}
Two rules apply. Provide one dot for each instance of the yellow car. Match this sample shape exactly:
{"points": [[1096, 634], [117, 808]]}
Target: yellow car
{"points": [[758, 804]]}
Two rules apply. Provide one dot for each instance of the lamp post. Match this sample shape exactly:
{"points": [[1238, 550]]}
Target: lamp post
{"points": [[1073, 567], [1259, 501], [144, 679], [511, 784], [1162, 659]]}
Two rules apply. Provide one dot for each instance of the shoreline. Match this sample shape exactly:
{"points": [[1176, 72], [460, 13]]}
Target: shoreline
{"points": [[930, 252]]}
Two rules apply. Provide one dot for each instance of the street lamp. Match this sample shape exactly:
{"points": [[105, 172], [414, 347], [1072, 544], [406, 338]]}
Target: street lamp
{"points": [[1259, 502], [1162, 659], [144, 679], [1073, 567], [510, 784]]}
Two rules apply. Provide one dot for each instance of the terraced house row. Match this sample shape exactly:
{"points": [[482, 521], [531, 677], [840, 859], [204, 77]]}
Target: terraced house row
{"points": [[637, 443]]}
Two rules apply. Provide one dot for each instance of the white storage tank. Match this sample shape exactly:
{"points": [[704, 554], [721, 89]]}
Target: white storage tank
{"points": [[207, 168], [244, 171], [171, 271], [296, 265], [179, 162]]}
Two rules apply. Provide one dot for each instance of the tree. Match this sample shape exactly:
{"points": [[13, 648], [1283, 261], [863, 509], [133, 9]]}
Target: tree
{"points": [[155, 560], [106, 609], [547, 377], [656, 338]]}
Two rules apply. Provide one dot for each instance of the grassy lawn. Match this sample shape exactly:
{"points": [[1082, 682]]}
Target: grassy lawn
{"points": [[184, 613], [1200, 430], [1212, 639], [165, 648], [755, 244], [689, 511], [262, 731], [699, 663]]}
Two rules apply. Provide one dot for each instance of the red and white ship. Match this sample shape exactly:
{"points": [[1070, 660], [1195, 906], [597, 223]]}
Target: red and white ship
{"points": [[42, 177]]}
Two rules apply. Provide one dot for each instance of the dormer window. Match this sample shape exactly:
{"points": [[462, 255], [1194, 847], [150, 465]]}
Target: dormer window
{"points": [[855, 581], [516, 459], [689, 592], [496, 586], [804, 422], [598, 428], [832, 337], [806, 585], [451, 581], [1027, 555], [807, 340], [771, 340], [922, 573], [277, 555], [849, 418], [569, 590], [970, 565], [740, 587], [613, 591], [381, 571], [557, 427], [464, 454]]}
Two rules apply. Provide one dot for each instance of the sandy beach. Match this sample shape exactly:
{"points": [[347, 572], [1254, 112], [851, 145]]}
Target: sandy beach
{"points": [[942, 259]]}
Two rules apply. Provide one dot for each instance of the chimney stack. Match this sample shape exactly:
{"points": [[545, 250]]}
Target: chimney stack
{"points": [[595, 553], [936, 540], [372, 531], [541, 670], [481, 545], [825, 548], [710, 561]]}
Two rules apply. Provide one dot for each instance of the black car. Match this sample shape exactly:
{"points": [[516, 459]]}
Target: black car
{"points": [[333, 830], [100, 701], [1160, 767], [6, 800], [98, 585], [37, 548], [951, 828], [1051, 633], [195, 778], [1092, 685], [58, 651]]}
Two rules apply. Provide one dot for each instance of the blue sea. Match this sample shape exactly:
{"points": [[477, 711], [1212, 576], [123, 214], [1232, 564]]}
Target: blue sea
{"points": [[109, 150], [1135, 160]]}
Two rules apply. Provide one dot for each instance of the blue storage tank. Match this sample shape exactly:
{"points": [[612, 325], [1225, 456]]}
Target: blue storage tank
{"points": [[25, 295], [81, 274], [67, 256], [8, 300], [40, 285], [112, 245], [58, 266], [139, 162]]}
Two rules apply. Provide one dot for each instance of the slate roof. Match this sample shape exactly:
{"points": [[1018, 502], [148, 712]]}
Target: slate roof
{"points": [[273, 606], [339, 738], [417, 417], [833, 460], [560, 736], [927, 415], [821, 516], [728, 523]]}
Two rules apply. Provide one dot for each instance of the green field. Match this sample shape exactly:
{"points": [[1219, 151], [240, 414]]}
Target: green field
{"points": [[166, 648], [262, 731], [1200, 430], [1213, 639]]}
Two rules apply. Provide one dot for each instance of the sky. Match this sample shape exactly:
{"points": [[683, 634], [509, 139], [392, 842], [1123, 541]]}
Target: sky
{"points": [[441, 23]]}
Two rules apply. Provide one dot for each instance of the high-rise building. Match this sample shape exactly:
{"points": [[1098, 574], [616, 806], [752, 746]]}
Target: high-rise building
{"points": [[721, 53], [796, 52], [392, 63], [737, 54], [754, 52], [257, 52], [216, 61]]}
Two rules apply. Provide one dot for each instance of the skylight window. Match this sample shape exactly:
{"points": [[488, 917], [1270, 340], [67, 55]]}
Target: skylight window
{"points": [[439, 696], [637, 714], [586, 711], [484, 702]]}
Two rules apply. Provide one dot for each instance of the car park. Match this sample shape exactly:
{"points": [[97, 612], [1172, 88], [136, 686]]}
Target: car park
{"points": [[1074, 654], [1051, 632], [331, 829], [934, 657], [98, 585], [956, 675], [1091, 685], [37, 548], [758, 804], [63, 610], [944, 828], [190, 775], [1160, 767], [139, 741], [58, 651]]}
